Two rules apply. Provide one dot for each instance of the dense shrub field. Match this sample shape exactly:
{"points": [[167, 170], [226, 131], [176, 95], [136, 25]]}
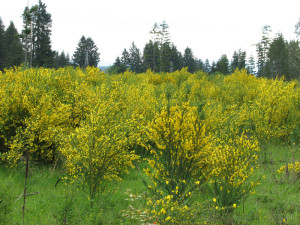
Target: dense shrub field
{"points": [[193, 134]]}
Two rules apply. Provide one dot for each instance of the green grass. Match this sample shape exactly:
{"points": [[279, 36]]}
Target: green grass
{"points": [[277, 197]]}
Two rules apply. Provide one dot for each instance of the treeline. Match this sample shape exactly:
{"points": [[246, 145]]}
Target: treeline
{"points": [[32, 48], [162, 55], [275, 57]]}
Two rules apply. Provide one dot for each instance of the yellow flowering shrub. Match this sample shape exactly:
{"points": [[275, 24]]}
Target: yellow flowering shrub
{"points": [[233, 163], [292, 169], [178, 142], [96, 151]]}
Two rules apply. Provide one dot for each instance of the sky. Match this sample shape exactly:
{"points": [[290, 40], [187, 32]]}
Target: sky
{"points": [[210, 28]]}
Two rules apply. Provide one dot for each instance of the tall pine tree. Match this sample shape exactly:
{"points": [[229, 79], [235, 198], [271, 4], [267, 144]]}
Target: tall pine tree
{"points": [[238, 60], [135, 59], [189, 60], [86, 53], [278, 57], [223, 65], [3, 49], [262, 49], [15, 53], [36, 36], [293, 60]]}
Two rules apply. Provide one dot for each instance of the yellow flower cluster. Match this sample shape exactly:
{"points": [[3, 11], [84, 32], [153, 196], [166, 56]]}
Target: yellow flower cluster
{"points": [[233, 162], [291, 169], [181, 149], [196, 128]]}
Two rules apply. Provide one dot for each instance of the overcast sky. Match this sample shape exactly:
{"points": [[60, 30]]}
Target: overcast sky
{"points": [[210, 28]]}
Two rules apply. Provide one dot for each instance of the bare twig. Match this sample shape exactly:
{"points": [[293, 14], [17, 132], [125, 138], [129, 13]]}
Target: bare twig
{"points": [[34, 193]]}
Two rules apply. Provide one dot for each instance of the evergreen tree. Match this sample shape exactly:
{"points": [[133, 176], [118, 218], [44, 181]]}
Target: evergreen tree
{"points": [[164, 33], [149, 59], [189, 60], [165, 57], [155, 33], [238, 60], [135, 59], [86, 53], [176, 59], [207, 67], [278, 57], [251, 65], [235, 61], [293, 60], [262, 50], [42, 50], [161, 36], [214, 68], [223, 65], [199, 65], [15, 53], [118, 67], [3, 49], [27, 35], [61, 60], [36, 36], [125, 59]]}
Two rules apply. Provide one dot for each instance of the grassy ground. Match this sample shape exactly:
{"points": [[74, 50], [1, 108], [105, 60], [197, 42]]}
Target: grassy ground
{"points": [[276, 200]]}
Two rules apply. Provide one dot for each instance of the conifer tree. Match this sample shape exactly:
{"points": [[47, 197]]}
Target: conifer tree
{"points": [[262, 50], [223, 65], [15, 53], [118, 67], [214, 68], [176, 59], [278, 57], [238, 60], [293, 60], [251, 65], [86, 53], [36, 36], [189, 60], [3, 50], [61, 60], [207, 66], [135, 59], [148, 56], [125, 59]]}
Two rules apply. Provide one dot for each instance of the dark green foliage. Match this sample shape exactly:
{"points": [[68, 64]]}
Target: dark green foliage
{"points": [[117, 68], [3, 49], [278, 57], [43, 54], [150, 61], [15, 52], [213, 68], [165, 57], [86, 53], [61, 60], [176, 59], [223, 65], [189, 60], [251, 65], [135, 59], [238, 60], [125, 59], [262, 50], [293, 60], [36, 36]]}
